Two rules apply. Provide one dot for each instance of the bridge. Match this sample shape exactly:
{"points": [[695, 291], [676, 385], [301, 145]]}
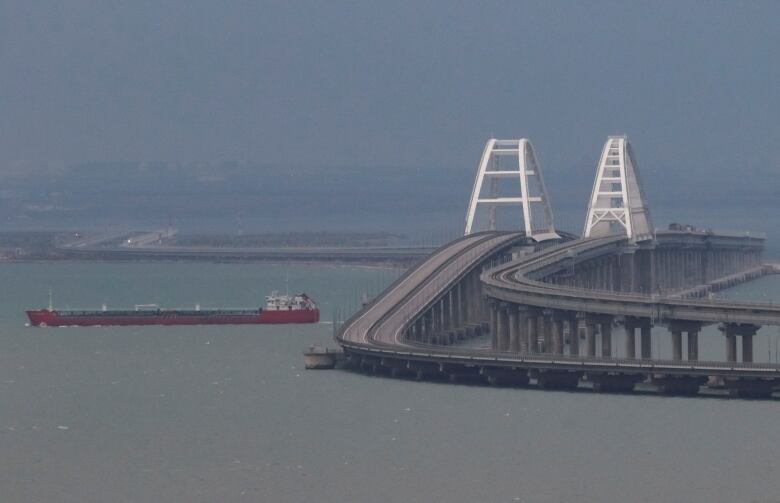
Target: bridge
{"points": [[551, 302]]}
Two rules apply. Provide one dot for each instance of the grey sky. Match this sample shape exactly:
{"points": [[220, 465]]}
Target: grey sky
{"points": [[694, 84]]}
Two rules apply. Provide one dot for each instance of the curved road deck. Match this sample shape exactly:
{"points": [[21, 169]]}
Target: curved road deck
{"points": [[377, 330]]}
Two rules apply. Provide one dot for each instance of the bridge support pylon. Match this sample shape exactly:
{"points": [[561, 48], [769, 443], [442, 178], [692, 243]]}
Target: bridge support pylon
{"points": [[617, 203], [515, 161]]}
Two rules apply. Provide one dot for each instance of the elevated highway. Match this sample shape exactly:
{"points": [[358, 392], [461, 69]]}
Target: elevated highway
{"points": [[382, 322], [504, 285], [538, 302], [514, 282]]}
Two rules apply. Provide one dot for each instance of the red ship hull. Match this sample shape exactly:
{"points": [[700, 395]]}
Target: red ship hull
{"points": [[54, 318]]}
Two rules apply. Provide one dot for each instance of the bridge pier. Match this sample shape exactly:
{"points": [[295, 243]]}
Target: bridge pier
{"points": [[606, 339], [693, 345], [514, 329], [462, 311], [556, 329], [730, 332], [502, 327], [626, 261], [446, 311], [544, 330], [744, 330], [629, 325], [493, 328], [522, 328], [574, 334], [676, 345], [435, 319], [532, 343], [646, 339], [590, 338], [428, 332], [747, 347], [692, 329]]}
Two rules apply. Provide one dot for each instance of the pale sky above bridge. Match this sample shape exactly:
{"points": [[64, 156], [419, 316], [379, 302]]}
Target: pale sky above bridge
{"points": [[694, 84]]}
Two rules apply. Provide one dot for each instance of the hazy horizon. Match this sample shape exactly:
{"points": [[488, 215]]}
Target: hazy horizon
{"points": [[312, 110]]}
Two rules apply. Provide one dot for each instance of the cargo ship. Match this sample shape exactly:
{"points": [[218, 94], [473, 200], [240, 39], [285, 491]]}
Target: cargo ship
{"points": [[278, 309]]}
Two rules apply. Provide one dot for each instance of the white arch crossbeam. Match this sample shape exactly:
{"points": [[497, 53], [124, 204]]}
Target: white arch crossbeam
{"points": [[537, 217], [617, 203]]}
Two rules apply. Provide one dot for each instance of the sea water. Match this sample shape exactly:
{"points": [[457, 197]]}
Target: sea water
{"points": [[221, 413]]}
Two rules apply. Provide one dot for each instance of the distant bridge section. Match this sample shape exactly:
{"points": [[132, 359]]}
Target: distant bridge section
{"points": [[551, 302]]}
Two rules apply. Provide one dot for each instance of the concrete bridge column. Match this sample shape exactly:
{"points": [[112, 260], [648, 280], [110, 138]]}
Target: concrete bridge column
{"points": [[428, 327], [514, 330], [704, 276], [692, 329], [465, 297], [522, 329], [464, 302], [469, 296], [420, 329], [627, 276], [479, 314], [574, 334], [630, 328], [606, 339], [457, 306], [503, 327], [532, 343], [614, 268], [747, 347], [556, 333], [693, 345], [436, 318], [590, 338], [746, 331], [603, 271], [730, 331], [646, 341], [676, 344], [446, 311], [475, 297], [545, 327], [493, 307]]}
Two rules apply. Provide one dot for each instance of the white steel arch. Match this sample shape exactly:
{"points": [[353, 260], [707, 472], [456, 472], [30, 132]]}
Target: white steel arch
{"points": [[617, 203], [537, 217]]}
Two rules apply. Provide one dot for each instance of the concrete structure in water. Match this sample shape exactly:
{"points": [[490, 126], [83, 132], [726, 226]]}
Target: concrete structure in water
{"points": [[557, 310]]}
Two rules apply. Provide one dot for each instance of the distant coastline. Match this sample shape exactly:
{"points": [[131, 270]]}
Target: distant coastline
{"points": [[362, 248]]}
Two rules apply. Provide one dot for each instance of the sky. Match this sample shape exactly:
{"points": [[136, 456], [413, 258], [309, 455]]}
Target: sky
{"points": [[403, 84]]}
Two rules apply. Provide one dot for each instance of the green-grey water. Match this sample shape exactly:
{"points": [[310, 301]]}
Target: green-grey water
{"points": [[191, 414]]}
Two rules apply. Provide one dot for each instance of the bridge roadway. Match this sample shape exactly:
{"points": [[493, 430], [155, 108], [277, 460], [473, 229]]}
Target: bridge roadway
{"points": [[345, 254], [514, 282], [381, 323], [376, 333]]}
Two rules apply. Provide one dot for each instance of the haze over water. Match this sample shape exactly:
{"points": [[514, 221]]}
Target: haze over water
{"points": [[186, 414], [278, 116]]}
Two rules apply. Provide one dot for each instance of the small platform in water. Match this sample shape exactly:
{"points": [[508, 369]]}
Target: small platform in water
{"points": [[320, 357]]}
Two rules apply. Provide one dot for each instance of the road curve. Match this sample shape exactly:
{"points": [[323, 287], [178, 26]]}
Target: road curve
{"points": [[518, 282], [382, 321]]}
